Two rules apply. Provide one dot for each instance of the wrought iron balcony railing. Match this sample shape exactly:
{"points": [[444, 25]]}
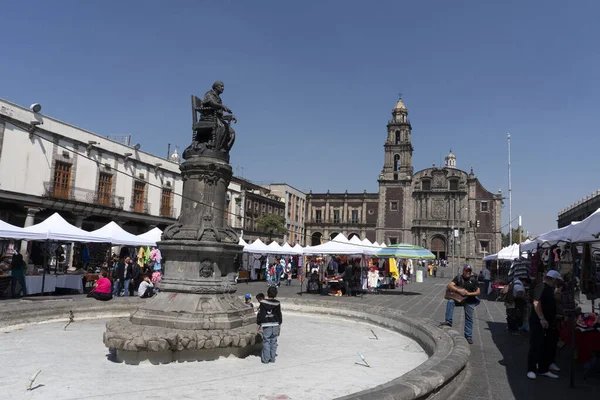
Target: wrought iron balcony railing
{"points": [[168, 211], [138, 207], [72, 193]]}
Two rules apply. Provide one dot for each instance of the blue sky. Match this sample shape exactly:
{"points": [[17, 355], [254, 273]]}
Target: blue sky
{"points": [[313, 84]]}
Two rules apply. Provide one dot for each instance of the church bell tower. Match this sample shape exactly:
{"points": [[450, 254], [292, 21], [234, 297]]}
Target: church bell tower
{"points": [[398, 147]]}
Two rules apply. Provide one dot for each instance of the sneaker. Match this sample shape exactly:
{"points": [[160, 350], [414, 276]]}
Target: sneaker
{"points": [[531, 375], [446, 323], [554, 367], [470, 340], [550, 375]]}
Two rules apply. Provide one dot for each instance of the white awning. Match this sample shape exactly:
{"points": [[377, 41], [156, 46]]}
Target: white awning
{"points": [[119, 236], [56, 228]]}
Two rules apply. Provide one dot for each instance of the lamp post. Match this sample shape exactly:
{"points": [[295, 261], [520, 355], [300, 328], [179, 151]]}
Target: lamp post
{"points": [[459, 244]]}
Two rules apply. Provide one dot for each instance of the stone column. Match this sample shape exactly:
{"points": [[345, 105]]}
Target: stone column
{"points": [[78, 223], [29, 220]]}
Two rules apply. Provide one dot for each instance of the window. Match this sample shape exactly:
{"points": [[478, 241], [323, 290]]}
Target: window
{"points": [[104, 189], [394, 205], [485, 246], [397, 137], [166, 203], [454, 184], [484, 206], [336, 216], [62, 180], [393, 240], [139, 194], [318, 216], [354, 217], [396, 162], [426, 185]]}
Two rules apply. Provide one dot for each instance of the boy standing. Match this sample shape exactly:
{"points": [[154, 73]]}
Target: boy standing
{"points": [[269, 320]]}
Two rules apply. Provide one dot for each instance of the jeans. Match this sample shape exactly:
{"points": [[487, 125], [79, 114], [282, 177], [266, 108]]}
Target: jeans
{"points": [[126, 287], [117, 287], [269, 350], [469, 309]]}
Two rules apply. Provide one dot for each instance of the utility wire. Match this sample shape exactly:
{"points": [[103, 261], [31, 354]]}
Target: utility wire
{"points": [[196, 200]]}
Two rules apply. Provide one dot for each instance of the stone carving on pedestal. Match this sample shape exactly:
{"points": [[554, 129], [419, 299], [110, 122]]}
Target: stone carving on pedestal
{"points": [[197, 308]]}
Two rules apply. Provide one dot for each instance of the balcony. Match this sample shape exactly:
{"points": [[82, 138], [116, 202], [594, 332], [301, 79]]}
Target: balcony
{"points": [[168, 212], [141, 208], [81, 195]]}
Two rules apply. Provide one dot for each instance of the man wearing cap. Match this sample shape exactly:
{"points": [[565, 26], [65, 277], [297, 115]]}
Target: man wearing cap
{"points": [[542, 326], [464, 285]]}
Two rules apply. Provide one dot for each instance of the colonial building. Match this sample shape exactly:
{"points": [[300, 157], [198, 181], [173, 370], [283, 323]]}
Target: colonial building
{"points": [[295, 210], [580, 210], [47, 165], [442, 208], [246, 202]]}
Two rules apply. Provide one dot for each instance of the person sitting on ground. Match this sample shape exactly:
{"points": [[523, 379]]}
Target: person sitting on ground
{"points": [[269, 321], [247, 301], [102, 288], [146, 288]]}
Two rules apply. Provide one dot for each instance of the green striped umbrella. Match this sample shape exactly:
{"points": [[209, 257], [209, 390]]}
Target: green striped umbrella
{"points": [[404, 250]]}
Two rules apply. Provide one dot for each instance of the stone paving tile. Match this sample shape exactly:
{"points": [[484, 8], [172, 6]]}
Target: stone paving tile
{"points": [[497, 366]]}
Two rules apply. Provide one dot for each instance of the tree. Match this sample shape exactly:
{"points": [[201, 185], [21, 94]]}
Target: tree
{"points": [[515, 237], [271, 224]]}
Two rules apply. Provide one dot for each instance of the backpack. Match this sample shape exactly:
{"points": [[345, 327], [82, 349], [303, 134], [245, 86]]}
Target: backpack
{"points": [[507, 293]]}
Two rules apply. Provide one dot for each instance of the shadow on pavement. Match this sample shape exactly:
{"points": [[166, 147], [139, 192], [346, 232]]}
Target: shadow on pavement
{"points": [[514, 351]]}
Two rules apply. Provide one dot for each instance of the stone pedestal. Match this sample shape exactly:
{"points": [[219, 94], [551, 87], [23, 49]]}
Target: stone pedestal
{"points": [[196, 310]]}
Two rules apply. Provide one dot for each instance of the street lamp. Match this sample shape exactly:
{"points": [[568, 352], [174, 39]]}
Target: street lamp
{"points": [[459, 220]]}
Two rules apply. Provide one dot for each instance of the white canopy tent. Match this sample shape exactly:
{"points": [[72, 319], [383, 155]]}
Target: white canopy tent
{"points": [[564, 234], [153, 235], [275, 248], [339, 245], [119, 236], [509, 253], [587, 230], [242, 242], [257, 247], [56, 228], [9, 231], [290, 250], [298, 249]]}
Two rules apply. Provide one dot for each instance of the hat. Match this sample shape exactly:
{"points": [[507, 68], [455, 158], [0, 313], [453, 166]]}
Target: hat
{"points": [[554, 274], [467, 268], [247, 296]]}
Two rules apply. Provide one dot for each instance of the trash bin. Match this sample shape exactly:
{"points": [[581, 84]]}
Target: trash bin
{"points": [[419, 276]]}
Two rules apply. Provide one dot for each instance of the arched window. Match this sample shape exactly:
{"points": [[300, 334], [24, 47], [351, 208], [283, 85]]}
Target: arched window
{"points": [[396, 162], [397, 137]]}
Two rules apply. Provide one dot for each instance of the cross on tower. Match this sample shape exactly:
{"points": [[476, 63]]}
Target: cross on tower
{"points": [[400, 95]]}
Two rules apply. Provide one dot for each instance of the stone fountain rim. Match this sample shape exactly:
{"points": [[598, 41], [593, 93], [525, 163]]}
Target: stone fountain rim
{"points": [[437, 377]]}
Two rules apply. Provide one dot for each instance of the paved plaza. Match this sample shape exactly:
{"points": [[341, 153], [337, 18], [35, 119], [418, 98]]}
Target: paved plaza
{"points": [[497, 367], [497, 362]]}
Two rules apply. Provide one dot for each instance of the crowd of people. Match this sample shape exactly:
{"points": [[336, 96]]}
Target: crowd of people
{"points": [[130, 276]]}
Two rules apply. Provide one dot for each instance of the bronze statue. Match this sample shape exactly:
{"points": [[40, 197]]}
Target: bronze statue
{"points": [[213, 132]]}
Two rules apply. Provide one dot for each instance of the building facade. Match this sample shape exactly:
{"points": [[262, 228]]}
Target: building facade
{"points": [[246, 202], [580, 210], [47, 165], [442, 208], [295, 211]]}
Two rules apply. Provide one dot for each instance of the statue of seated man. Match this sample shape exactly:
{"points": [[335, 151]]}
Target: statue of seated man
{"points": [[214, 110]]}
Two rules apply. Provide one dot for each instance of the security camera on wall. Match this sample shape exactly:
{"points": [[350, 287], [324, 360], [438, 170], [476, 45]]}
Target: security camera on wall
{"points": [[36, 107]]}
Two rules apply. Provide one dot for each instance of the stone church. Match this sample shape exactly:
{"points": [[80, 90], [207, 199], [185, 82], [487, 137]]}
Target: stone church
{"points": [[442, 208]]}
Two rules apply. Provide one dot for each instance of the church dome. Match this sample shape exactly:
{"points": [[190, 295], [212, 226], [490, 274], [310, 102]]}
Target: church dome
{"points": [[450, 160], [175, 157], [400, 105]]}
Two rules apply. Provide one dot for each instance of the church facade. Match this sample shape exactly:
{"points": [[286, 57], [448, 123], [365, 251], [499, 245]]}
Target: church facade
{"points": [[442, 208]]}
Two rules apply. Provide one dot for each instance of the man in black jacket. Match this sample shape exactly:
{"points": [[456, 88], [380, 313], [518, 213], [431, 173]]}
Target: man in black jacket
{"points": [[269, 320], [120, 278]]}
